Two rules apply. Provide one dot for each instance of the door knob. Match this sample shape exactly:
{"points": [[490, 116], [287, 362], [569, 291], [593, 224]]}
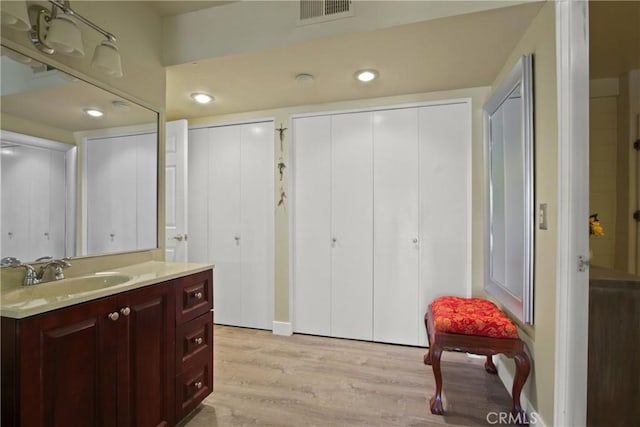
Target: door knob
{"points": [[179, 237], [415, 240]]}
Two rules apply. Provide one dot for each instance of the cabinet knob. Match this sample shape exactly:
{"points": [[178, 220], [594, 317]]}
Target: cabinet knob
{"points": [[125, 311], [114, 316], [198, 385], [198, 340], [197, 295]]}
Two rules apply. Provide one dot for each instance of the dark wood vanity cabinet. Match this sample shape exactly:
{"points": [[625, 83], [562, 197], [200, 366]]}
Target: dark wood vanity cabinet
{"points": [[108, 362]]}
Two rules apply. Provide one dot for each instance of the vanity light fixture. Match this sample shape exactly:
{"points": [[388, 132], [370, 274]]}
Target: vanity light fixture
{"points": [[56, 31], [93, 112], [201, 97], [366, 75]]}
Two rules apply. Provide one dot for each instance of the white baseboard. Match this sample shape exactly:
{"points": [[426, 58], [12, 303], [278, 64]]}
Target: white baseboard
{"points": [[282, 328], [507, 380]]}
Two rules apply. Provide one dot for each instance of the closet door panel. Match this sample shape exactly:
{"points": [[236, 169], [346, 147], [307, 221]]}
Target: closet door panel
{"points": [[352, 225], [256, 230], [224, 222], [124, 207], [147, 194], [445, 198], [100, 195], [198, 212], [312, 224], [396, 211]]}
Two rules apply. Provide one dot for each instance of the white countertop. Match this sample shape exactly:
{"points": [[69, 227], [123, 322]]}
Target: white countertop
{"points": [[27, 301]]}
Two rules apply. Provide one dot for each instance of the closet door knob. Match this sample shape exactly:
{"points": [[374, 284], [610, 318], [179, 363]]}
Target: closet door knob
{"points": [[415, 240]]}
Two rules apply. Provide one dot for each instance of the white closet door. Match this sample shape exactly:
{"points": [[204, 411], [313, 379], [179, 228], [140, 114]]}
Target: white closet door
{"points": [[396, 212], [198, 211], [351, 225], [224, 222], [445, 202], [256, 228], [312, 224], [146, 190], [123, 208], [57, 206], [100, 193]]}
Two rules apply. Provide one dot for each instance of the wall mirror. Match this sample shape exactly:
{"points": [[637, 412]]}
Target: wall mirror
{"points": [[73, 184], [509, 183]]}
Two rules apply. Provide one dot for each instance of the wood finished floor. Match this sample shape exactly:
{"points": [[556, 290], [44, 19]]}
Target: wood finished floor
{"points": [[266, 380]]}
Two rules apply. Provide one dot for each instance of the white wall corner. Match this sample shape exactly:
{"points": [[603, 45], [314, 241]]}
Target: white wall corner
{"points": [[604, 87], [282, 328], [507, 379]]}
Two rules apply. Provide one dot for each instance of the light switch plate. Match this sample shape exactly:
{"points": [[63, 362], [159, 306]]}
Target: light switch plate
{"points": [[542, 216]]}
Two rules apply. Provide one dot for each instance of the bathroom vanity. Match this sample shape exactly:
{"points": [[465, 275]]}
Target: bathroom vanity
{"points": [[137, 353]]}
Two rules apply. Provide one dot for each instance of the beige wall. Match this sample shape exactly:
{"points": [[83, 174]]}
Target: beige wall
{"points": [[282, 116], [602, 176], [28, 127], [539, 39]]}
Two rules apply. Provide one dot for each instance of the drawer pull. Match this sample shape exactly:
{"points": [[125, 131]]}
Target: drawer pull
{"points": [[114, 316], [198, 340], [125, 311], [198, 385], [197, 295]]}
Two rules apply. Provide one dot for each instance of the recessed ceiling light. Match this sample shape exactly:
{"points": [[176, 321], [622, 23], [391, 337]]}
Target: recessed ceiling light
{"points": [[93, 112], [201, 98], [366, 75], [305, 79]]}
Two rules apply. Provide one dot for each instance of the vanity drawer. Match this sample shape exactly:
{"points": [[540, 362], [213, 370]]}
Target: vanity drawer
{"points": [[194, 296], [194, 341], [192, 386]]}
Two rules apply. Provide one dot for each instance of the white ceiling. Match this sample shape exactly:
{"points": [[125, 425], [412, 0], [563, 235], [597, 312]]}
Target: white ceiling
{"points": [[448, 53]]}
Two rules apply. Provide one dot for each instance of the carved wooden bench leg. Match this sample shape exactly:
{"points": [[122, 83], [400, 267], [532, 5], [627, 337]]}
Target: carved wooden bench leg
{"points": [[436, 400], [489, 366], [523, 366]]}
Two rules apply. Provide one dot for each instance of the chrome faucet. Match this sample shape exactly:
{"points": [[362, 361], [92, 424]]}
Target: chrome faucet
{"points": [[58, 265], [30, 276]]}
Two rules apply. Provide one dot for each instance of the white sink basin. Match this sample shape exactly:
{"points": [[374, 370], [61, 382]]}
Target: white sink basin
{"points": [[66, 287]]}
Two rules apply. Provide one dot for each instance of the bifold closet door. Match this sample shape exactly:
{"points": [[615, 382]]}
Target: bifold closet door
{"points": [[445, 160], [231, 218], [396, 254], [312, 225], [351, 225], [224, 222]]}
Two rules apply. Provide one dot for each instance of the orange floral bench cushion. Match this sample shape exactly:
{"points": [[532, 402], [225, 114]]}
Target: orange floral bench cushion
{"points": [[471, 316]]}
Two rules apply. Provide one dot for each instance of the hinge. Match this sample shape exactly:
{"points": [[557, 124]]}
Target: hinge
{"points": [[636, 215], [583, 263], [636, 145]]}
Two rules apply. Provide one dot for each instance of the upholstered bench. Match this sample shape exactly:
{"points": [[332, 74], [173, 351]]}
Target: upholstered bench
{"points": [[473, 325]]}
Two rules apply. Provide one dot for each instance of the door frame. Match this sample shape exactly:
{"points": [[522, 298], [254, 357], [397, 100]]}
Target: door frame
{"points": [[572, 287]]}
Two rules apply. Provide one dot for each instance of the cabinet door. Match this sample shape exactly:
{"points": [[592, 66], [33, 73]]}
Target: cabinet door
{"points": [[256, 227], [224, 222], [68, 367], [312, 225], [397, 316], [147, 392], [445, 209], [351, 225]]}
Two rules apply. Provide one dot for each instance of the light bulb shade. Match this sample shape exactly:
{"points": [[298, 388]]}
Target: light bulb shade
{"points": [[107, 59], [64, 36], [14, 15]]}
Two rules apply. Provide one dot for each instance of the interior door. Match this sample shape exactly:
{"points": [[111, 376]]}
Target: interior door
{"points": [[224, 219], [176, 248], [257, 226], [396, 251], [312, 224], [351, 225]]}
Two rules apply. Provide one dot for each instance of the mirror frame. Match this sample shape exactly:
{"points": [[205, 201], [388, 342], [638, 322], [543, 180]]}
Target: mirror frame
{"points": [[522, 307], [158, 121]]}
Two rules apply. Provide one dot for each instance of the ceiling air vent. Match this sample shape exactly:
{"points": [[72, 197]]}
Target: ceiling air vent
{"points": [[313, 11]]}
